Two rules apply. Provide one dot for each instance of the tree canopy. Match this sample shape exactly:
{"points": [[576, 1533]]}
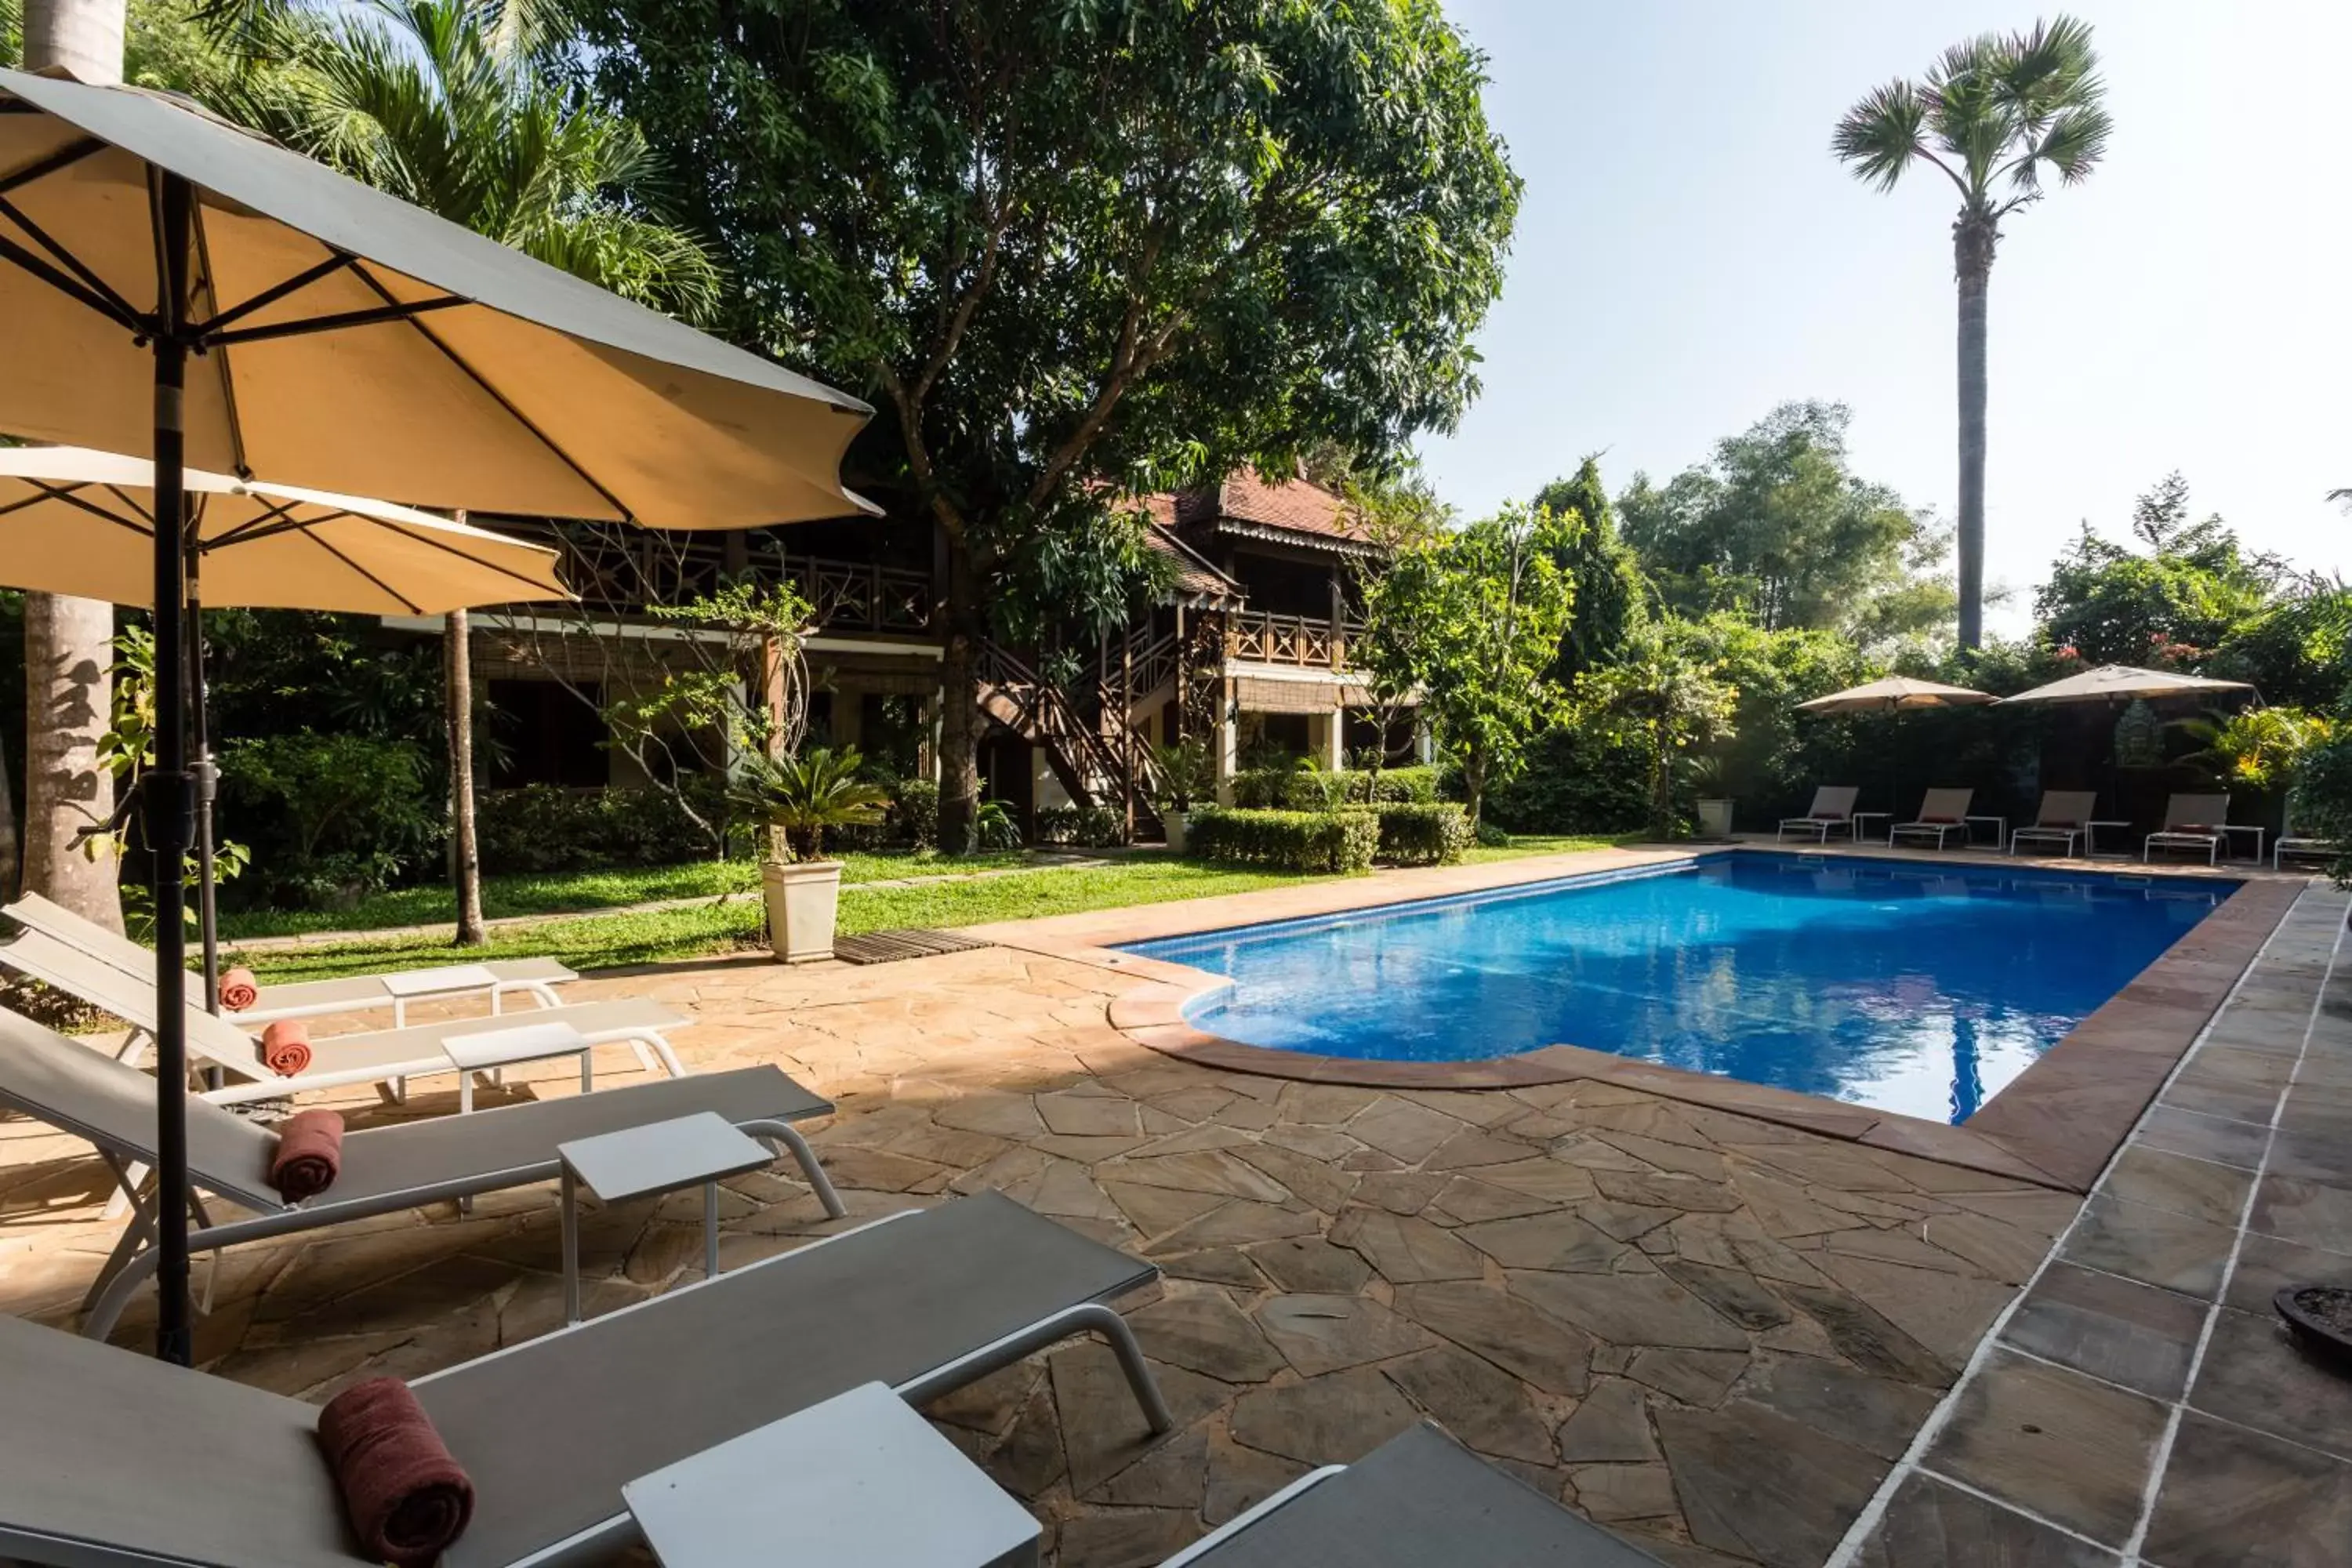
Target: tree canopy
{"points": [[2173, 602], [1076, 250], [1776, 525]]}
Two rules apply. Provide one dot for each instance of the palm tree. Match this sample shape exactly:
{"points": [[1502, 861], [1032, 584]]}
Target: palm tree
{"points": [[444, 104], [1996, 115]]}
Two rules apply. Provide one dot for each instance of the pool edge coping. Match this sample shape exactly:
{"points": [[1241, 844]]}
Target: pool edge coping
{"points": [[2054, 1125]]}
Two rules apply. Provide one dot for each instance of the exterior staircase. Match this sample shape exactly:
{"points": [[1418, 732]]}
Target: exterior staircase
{"points": [[1090, 740]]}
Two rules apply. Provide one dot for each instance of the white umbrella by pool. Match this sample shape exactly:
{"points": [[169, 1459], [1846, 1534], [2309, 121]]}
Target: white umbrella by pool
{"points": [[2121, 682], [77, 521], [174, 287], [1894, 694]]}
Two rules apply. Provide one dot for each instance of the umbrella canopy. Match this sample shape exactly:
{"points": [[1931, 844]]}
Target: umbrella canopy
{"points": [[349, 340], [2119, 682], [82, 523], [170, 286], [1895, 693]]}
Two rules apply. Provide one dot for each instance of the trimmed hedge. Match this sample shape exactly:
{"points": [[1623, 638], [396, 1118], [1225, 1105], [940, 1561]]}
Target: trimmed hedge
{"points": [[1341, 841], [1303, 789], [1423, 834], [1087, 826]]}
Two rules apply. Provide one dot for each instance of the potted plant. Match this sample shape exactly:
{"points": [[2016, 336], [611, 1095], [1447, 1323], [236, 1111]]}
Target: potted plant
{"points": [[1179, 773], [800, 797], [1710, 777]]}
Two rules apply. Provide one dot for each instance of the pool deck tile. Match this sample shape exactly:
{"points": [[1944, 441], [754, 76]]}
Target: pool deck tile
{"points": [[1707, 1314]]}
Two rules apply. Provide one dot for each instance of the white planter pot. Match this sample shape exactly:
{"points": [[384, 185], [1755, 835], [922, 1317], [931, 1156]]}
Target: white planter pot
{"points": [[1173, 823], [1715, 819], [802, 898]]}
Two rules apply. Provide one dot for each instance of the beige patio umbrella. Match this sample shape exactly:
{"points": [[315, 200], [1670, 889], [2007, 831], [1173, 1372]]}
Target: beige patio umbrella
{"points": [[1894, 694], [2121, 682], [73, 520], [174, 287]]}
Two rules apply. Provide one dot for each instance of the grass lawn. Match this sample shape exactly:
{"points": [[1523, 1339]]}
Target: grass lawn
{"points": [[600, 942]]}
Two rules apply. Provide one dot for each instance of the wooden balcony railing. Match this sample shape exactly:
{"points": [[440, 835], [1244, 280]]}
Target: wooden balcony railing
{"points": [[1306, 641]]}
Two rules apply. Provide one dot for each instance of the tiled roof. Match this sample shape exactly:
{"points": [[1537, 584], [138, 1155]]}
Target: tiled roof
{"points": [[1293, 507], [1196, 579]]}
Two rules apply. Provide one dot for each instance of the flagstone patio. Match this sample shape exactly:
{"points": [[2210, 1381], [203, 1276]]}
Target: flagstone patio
{"points": [[1714, 1332]]}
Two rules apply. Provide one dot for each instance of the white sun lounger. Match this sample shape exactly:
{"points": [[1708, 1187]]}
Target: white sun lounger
{"points": [[382, 1055], [81, 1091], [110, 1458], [2300, 845], [1833, 811], [497, 980], [2063, 819], [1942, 813], [2192, 821]]}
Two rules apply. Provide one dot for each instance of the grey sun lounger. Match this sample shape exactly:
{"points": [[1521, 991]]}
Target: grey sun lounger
{"points": [[377, 1055], [2192, 821], [1832, 812], [83, 1093], [1942, 813], [2063, 819], [497, 979], [1418, 1500], [108, 1456]]}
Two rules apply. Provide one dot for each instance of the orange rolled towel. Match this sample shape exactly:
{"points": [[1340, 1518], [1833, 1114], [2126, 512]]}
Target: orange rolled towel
{"points": [[239, 991], [309, 1154], [407, 1499], [286, 1046]]}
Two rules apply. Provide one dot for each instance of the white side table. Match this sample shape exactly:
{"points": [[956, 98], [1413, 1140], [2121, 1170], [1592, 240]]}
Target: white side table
{"points": [[494, 1050], [640, 1161], [860, 1479], [447, 980], [1858, 834], [2000, 828]]}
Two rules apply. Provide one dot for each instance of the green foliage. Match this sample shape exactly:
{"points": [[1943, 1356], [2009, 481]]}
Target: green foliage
{"points": [[1087, 826], [2257, 749], [2194, 590], [1659, 697], [1474, 621], [541, 828], [331, 817], [1429, 833], [428, 100], [1332, 841], [1577, 780], [2298, 651], [1181, 773], [995, 828], [1612, 595], [2322, 799], [914, 814], [1776, 525], [800, 797]]}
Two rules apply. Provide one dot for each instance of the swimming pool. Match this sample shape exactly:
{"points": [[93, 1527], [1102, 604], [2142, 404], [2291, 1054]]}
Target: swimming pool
{"points": [[1906, 985]]}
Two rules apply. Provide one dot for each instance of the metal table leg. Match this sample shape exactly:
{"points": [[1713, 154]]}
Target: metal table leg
{"points": [[570, 1247], [710, 1230]]}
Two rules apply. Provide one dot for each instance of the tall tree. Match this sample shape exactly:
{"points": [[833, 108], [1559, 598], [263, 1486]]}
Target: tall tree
{"points": [[1611, 596], [442, 103], [1077, 250], [1778, 526], [1471, 620], [1996, 116], [70, 642], [2193, 588]]}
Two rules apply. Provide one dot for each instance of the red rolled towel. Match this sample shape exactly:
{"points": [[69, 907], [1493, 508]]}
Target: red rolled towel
{"points": [[309, 1154], [286, 1046], [408, 1500], [239, 991]]}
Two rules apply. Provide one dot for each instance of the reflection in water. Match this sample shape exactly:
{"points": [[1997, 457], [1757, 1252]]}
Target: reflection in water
{"points": [[1922, 992]]}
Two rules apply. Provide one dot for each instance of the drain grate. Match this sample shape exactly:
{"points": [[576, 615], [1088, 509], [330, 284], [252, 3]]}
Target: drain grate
{"points": [[890, 946]]}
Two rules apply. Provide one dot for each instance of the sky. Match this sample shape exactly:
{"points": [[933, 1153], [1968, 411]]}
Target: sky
{"points": [[1689, 255]]}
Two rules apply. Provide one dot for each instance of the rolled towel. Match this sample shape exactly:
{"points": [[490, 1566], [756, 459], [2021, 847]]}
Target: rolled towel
{"points": [[309, 1154], [407, 1500], [239, 991], [286, 1046]]}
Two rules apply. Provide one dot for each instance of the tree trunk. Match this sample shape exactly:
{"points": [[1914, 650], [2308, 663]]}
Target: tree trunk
{"points": [[69, 643], [464, 853], [1474, 781], [1972, 247], [9, 864], [962, 723]]}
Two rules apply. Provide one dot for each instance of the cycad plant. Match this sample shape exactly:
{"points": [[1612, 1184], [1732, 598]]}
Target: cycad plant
{"points": [[801, 798], [1998, 117]]}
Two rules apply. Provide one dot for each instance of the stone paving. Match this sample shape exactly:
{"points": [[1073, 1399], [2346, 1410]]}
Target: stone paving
{"points": [[1713, 1332], [2141, 1404]]}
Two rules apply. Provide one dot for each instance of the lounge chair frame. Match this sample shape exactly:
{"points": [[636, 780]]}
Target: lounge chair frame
{"points": [[2041, 830], [2182, 809], [1826, 814], [1954, 804]]}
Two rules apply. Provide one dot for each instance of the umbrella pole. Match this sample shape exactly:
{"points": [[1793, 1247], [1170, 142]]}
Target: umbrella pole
{"points": [[167, 800], [200, 740]]}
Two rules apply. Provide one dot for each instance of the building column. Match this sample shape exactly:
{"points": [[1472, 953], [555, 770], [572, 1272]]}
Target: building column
{"points": [[1333, 742], [1424, 740], [1228, 742]]}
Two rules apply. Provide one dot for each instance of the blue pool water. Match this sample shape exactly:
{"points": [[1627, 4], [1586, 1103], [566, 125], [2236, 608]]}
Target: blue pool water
{"points": [[1904, 985]]}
